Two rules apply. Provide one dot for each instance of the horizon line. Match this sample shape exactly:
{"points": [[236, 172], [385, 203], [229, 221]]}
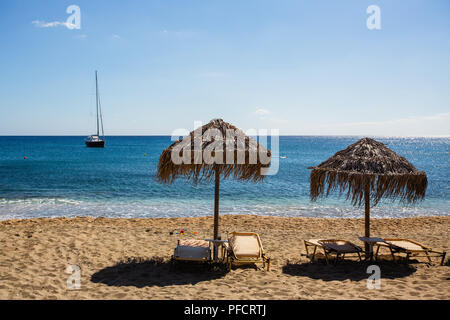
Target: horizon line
{"points": [[281, 135]]}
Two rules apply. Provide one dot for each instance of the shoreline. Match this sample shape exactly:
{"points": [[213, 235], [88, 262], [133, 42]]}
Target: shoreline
{"points": [[223, 215], [128, 258], [220, 215]]}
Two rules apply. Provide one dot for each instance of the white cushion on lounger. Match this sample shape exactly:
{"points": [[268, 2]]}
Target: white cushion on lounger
{"points": [[192, 250], [195, 253], [245, 246]]}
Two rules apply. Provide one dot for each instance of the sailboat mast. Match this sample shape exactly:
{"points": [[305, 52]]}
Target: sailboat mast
{"points": [[96, 99], [101, 117]]}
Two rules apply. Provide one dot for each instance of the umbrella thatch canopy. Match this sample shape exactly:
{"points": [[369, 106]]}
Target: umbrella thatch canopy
{"points": [[213, 150], [368, 170]]}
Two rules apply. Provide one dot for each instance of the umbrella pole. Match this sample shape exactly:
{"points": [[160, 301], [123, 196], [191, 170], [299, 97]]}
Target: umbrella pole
{"points": [[216, 210], [367, 217]]}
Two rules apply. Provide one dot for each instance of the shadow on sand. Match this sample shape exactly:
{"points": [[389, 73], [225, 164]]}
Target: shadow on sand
{"points": [[347, 270], [156, 272]]}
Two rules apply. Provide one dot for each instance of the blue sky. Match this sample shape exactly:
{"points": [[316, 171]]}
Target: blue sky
{"points": [[304, 67]]}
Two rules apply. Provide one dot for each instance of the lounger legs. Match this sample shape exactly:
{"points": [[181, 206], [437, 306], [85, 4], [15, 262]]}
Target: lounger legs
{"points": [[392, 253], [376, 253], [337, 258], [266, 260], [428, 256], [307, 251], [326, 255], [314, 253]]}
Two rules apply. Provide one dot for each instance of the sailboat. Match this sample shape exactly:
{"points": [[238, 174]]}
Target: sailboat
{"points": [[95, 141]]}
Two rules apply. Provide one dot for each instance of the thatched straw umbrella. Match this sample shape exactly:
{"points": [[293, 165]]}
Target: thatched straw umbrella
{"points": [[368, 170], [213, 150]]}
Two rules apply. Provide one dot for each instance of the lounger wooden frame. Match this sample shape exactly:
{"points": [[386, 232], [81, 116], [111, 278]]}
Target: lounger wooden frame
{"points": [[233, 259], [328, 250], [396, 249]]}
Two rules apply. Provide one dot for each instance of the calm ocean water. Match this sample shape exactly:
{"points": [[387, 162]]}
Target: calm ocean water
{"points": [[61, 177]]}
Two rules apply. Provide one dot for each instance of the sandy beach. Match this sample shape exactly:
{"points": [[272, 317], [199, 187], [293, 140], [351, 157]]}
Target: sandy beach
{"points": [[128, 259]]}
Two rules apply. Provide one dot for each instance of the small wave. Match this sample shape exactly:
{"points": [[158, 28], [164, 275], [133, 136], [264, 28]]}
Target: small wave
{"points": [[160, 208], [33, 201]]}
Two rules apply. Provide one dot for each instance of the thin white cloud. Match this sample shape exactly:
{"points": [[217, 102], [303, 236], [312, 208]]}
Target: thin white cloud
{"points": [[81, 36], [429, 125], [179, 34], [116, 36], [417, 120], [262, 112], [212, 74], [43, 24]]}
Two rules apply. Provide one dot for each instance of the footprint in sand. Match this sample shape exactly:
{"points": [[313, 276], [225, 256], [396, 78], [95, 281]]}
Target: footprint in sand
{"points": [[414, 293]]}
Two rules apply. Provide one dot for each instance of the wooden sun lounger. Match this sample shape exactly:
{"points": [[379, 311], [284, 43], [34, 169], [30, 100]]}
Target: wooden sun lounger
{"points": [[245, 248], [410, 248], [314, 243], [332, 246], [192, 250]]}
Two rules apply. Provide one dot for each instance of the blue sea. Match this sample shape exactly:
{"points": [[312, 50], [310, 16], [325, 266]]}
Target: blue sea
{"points": [[59, 176]]}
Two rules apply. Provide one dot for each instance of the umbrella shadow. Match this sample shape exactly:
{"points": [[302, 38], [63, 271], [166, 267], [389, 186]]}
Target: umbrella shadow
{"points": [[347, 270], [156, 271]]}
